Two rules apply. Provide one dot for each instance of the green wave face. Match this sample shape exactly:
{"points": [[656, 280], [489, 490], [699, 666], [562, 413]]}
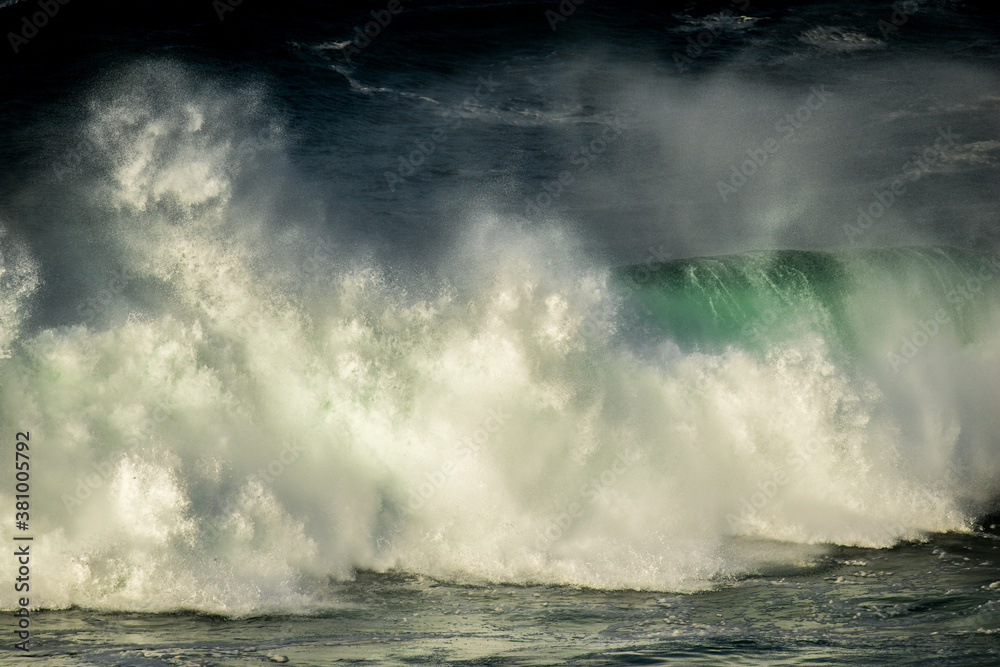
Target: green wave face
{"points": [[858, 301]]}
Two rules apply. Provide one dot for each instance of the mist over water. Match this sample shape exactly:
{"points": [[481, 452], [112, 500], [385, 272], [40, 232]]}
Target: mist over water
{"points": [[252, 366], [250, 407]]}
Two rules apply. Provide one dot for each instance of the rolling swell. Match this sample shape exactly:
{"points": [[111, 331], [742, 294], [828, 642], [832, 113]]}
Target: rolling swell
{"points": [[760, 298], [902, 321]]}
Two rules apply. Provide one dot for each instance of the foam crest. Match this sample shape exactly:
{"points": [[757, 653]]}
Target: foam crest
{"points": [[263, 422]]}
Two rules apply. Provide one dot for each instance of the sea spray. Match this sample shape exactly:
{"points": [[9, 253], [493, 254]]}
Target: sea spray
{"points": [[632, 414]]}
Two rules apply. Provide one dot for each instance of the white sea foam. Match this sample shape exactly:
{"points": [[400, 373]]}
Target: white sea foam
{"points": [[275, 415], [838, 40]]}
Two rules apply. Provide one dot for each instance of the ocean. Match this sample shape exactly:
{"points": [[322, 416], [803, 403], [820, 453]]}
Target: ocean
{"points": [[500, 333]]}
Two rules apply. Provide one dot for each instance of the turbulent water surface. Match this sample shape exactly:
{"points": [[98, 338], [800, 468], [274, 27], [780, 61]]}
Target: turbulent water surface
{"points": [[502, 332]]}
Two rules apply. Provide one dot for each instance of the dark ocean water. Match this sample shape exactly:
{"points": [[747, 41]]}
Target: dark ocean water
{"points": [[504, 333]]}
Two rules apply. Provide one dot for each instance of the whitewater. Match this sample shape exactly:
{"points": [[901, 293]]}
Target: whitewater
{"points": [[243, 409], [507, 333]]}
